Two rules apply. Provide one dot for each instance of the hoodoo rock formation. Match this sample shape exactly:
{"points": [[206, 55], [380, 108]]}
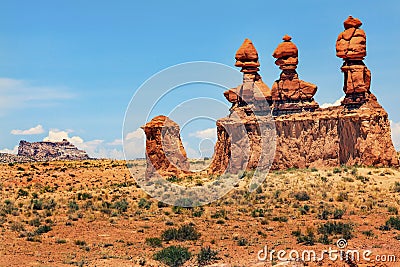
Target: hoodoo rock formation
{"points": [[289, 93], [304, 135], [47, 151], [351, 47], [253, 94], [164, 150]]}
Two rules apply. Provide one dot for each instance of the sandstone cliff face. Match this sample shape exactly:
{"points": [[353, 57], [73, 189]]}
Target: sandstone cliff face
{"points": [[335, 136], [46, 151]]}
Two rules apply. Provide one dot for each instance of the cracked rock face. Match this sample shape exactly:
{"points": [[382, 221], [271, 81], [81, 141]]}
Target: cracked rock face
{"points": [[165, 154]]}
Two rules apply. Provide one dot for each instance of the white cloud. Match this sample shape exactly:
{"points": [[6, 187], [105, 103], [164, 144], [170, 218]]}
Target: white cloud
{"points": [[334, 104], [210, 133], [34, 130], [10, 151], [116, 142], [134, 144], [16, 94], [57, 136], [396, 134]]}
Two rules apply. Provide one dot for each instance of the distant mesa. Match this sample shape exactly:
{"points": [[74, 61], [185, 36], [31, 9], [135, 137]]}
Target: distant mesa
{"points": [[355, 133], [45, 151]]}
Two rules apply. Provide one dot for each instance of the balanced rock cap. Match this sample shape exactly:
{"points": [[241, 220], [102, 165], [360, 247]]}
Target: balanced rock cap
{"points": [[351, 22], [286, 48], [246, 55]]}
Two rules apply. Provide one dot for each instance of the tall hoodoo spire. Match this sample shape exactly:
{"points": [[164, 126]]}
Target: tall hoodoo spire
{"points": [[351, 47]]}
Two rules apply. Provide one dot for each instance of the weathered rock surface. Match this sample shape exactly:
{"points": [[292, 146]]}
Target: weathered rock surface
{"points": [[165, 154], [47, 151], [11, 158], [253, 91], [351, 47], [290, 94]]}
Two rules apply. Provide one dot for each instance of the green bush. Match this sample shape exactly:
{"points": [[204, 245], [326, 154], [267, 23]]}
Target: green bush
{"points": [[207, 256], [154, 242], [302, 196], [308, 239], [331, 228], [393, 222], [338, 214], [42, 229], [185, 232], [122, 205], [173, 256]]}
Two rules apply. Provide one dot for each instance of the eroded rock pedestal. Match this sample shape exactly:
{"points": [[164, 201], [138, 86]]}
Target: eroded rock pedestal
{"points": [[351, 47], [164, 150], [289, 93]]}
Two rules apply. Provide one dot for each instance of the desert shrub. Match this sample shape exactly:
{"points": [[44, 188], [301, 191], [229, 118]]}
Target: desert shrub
{"points": [[173, 256], [242, 242], [308, 239], [396, 187], [368, 233], [17, 227], [7, 207], [304, 210], [172, 179], [393, 210], [49, 204], [73, 206], [43, 229], [22, 193], [337, 170], [393, 222], [161, 204], [342, 196], [220, 214], [185, 232], [61, 241], [348, 179], [280, 219], [334, 228], [184, 202], [207, 256], [197, 211], [80, 242], [258, 213], [363, 179], [122, 205], [338, 214], [35, 222], [302, 196], [154, 242], [84, 196], [37, 204]]}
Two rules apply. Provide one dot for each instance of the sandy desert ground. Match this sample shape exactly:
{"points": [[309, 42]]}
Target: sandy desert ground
{"points": [[92, 213]]}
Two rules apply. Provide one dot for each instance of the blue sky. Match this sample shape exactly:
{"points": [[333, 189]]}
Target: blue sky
{"points": [[70, 68]]}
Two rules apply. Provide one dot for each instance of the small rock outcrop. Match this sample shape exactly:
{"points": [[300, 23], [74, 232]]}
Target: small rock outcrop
{"points": [[289, 93], [165, 154], [47, 151], [351, 47]]}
